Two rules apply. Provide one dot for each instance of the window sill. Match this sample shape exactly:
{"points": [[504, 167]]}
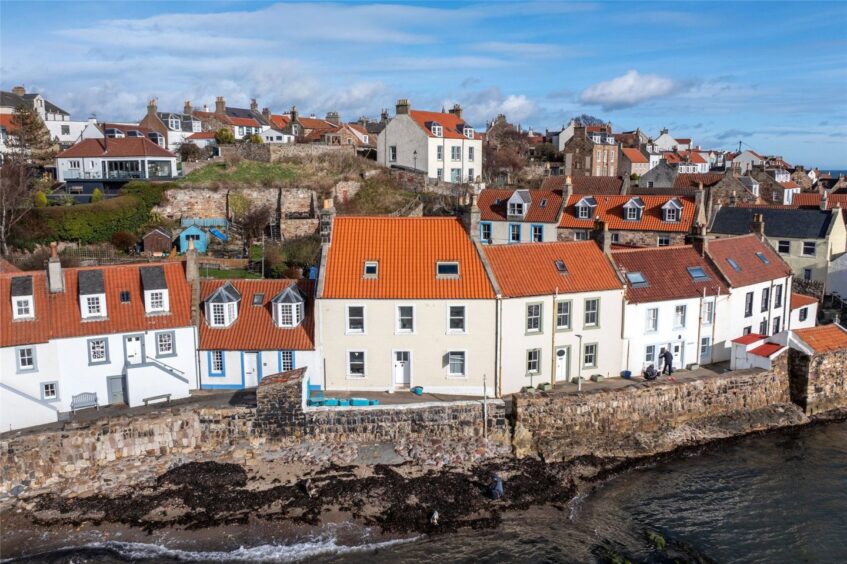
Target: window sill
{"points": [[222, 375], [457, 377], [169, 355], [355, 333], [354, 377]]}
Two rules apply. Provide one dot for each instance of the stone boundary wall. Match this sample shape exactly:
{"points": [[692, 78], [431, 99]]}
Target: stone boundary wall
{"points": [[818, 382], [251, 151], [294, 150], [198, 202], [560, 425]]}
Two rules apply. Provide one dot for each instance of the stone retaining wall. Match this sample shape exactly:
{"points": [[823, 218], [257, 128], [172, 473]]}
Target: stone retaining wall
{"points": [[818, 382], [566, 425], [211, 202], [294, 150]]}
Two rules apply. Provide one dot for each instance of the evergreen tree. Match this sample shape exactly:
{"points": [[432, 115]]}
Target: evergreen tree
{"points": [[29, 136]]}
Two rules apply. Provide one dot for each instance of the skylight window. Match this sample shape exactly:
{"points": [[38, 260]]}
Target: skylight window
{"points": [[124, 297], [636, 279], [543, 203], [560, 266], [371, 269], [258, 299], [697, 273], [762, 257], [447, 269], [734, 265]]}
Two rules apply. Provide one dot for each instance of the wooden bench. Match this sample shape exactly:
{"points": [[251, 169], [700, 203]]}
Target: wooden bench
{"points": [[166, 397], [84, 400]]}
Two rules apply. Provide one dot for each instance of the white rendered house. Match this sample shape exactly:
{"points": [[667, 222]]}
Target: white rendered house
{"points": [[115, 158]]}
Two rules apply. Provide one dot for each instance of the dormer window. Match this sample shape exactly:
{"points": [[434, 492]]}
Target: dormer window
{"points": [[371, 269], [92, 294], [516, 208], [174, 124], [518, 204], [93, 306], [222, 306], [195, 126], [437, 130], [447, 270], [156, 298], [22, 298], [672, 210], [634, 209], [289, 307], [468, 131], [585, 207]]}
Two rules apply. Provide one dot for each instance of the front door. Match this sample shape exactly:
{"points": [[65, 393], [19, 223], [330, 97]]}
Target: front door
{"points": [[134, 350], [676, 349], [116, 390], [705, 350], [562, 365], [251, 369], [402, 368]]}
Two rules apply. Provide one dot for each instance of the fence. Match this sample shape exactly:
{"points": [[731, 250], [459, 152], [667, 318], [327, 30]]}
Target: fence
{"points": [[204, 222]]}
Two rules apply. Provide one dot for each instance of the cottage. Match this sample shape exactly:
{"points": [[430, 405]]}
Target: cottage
{"points": [[804, 311], [122, 158], [518, 216]]}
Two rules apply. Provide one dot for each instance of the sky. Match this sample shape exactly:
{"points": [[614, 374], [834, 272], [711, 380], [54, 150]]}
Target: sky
{"points": [[770, 75]]}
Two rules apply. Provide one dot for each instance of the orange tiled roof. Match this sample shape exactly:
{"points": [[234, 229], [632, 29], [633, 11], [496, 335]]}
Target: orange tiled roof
{"points": [[665, 270], [749, 339], [280, 121], [801, 300], [742, 250], [594, 185], [407, 249], [610, 209], [790, 184], [693, 180], [449, 122], [813, 199], [767, 349], [6, 121], [244, 122], [115, 147], [634, 155], [58, 315], [315, 123], [824, 338], [491, 210], [530, 269], [254, 329], [203, 135]]}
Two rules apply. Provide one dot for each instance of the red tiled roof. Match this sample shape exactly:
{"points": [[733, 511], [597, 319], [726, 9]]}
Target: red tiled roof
{"points": [[530, 269], [790, 184], [6, 122], [742, 250], [802, 300], [254, 328], [688, 180], [493, 211], [749, 339], [665, 270], [683, 140], [813, 199], [824, 338], [315, 123], [243, 122], [449, 122], [595, 185], [280, 121], [406, 249], [767, 349], [610, 209], [203, 135], [114, 147], [58, 315], [634, 155], [6, 266]]}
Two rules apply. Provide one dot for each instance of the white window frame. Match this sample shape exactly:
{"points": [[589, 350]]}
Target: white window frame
{"points": [[348, 329], [663, 241], [536, 317], [650, 354], [283, 361], [652, 320], [632, 214], [392, 153], [708, 312], [93, 306], [398, 318], [169, 335], [439, 152], [671, 214], [596, 322], [566, 314], [593, 363], [583, 212], [680, 312], [91, 350], [442, 276], [533, 361], [349, 362], [450, 318], [464, 373], [437, 130], [216, 360], [471, 152], [814, 249], [213, 318], [44, 387], [23, 303], [157, 296], [32, 365], [455, 153]]}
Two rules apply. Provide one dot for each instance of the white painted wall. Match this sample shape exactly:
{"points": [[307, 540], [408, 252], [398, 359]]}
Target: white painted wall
{"points": [[268, 360], [811, 317], [74, 130], [500, 231], [737, 318]]}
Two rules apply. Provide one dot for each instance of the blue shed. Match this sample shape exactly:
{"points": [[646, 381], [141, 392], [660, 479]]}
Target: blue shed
{"points": [[198, 235]]}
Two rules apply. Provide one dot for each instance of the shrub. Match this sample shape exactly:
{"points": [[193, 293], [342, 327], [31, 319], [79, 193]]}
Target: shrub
{"points": [[224, 136], [124, 240], [96, 196], [255, 139], [302, 251], [40, 200]]}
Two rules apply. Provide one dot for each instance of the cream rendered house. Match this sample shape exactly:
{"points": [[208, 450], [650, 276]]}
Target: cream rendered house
{"points": [[559, 313], [404, 302]]}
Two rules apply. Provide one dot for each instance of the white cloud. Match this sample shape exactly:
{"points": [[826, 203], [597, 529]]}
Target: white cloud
{"points": [[629, 89], [480, 107], [521, 49]]}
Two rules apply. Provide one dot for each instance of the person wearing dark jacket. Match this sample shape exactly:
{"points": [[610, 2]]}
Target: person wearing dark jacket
{"points": [[667, 356]]}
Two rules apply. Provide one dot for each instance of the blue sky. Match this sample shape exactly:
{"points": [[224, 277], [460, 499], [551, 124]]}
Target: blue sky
{"points": [[773, 75]]}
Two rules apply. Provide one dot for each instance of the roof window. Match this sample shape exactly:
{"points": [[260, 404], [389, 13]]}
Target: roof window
{"points": [[697, 273], [762, 257], [258, 299], [561, 267], [447, 269], [125, 297], [543, 203], [733, 264], [371, 269], [636, 279]]}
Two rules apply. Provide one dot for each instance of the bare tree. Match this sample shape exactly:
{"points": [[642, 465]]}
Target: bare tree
{"points": [[254, 222], [17, 194]]}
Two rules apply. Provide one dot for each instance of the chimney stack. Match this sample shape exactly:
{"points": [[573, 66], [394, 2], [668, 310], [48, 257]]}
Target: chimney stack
{"points": [[568, 189], [456, 110], [293, 114], [19, 90], [327, 217], [383, 116], [151, 107], [699, 240], [192, 276], [254, 106], [187, 109], [333, 118], [824, 204], [602, 236], [403, 106], [758, 225], [473, 220], [55, 276], [266, 114], [220, 105]]}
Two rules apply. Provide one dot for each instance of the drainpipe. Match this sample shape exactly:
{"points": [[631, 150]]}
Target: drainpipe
{"points": [[770, 307], [498, 343], [553, 338], [699, 342], [714, 325]]}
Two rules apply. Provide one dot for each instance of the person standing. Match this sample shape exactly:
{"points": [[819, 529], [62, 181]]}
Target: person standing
{"points": [[667, 356]]}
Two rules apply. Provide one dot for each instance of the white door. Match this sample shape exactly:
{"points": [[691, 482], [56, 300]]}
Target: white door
{"points": [[705, 350], [251, 369], [402, 368], [676, 349], [134, 350], [562, 365]]}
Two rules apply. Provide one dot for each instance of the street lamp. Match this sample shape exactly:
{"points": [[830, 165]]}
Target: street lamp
{"points": [[415, 159]]}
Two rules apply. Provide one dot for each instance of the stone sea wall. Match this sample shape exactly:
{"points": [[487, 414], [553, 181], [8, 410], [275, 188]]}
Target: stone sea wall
{"points": [[819, 382]]}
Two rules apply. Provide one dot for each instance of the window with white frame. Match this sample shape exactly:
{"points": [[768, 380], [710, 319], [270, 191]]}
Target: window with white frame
{"points": [[766, 295], [708, 312], [514, 233], [216, 366], [165, 344], [468, 132], [439, 174], [485, 232], [437, 130], [777, 321], [456, 322], [50, 391], [356, 364], [583, 212], [705, 347], [650, 353], [97, 352], [470, 175], [23, 308], [286, 360], [537, 233], [174, 124], [777, 296], [804, 314], [447, 269], [652, 319], [392, 153], [26, 358], [439, 152], [532, 361], [592, 312], [563, 315], [664, 241], [157, 301], [218, 315], [679, 316], [92, 305], [355, 319], [231, 311], [671, 214], [405, 319], [632, 214], [808, 248], [580, 236], [289, 314], [533, 318], [456, 363], [455, 153], [589, 355], [470, 152]]}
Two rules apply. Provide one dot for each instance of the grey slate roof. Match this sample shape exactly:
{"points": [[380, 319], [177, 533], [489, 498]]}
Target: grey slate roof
{"points": [[153, 278], [224, 295], [524, 196], [791, 223], [91, 282], [49, 106], [12, 100], [185, 120], [22, 286]]}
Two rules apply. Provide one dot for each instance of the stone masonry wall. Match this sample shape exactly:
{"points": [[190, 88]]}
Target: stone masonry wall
{"points": [[211, 202], [560, 425], [818, 382], [293, 150], [635, 238]]}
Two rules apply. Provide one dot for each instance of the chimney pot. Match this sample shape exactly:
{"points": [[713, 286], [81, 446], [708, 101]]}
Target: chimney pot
{"points": [[403, 106], [254, 105], [19, 90], [187, 109], [55, 276], [152, 107], [220, 105]]}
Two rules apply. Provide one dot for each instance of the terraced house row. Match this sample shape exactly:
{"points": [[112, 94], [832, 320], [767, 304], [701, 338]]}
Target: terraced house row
{"points": [[398, 303]]}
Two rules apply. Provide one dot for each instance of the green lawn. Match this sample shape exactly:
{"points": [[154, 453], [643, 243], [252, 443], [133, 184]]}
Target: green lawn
{"points": [[246, 172], [232, 273]]}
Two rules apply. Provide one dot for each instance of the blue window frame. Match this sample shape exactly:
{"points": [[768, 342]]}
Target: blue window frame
{"points": [[514, 232], [216, 363], [287, 360], [485, 231], [537, 233]]}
